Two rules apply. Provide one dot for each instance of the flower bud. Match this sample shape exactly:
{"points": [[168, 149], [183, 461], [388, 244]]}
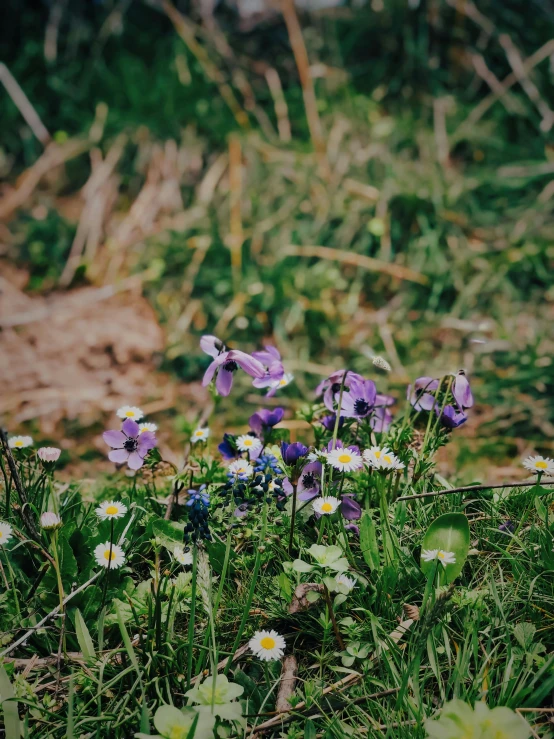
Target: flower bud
{"points": [[50, 521]]}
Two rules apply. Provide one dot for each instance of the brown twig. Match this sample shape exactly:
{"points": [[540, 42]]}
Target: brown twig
{"points": [[287, 684], [333, 618], [280, 104], [21, 101]]}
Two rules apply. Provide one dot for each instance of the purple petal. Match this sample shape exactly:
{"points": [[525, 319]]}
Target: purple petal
{"points": [[308, 495], [115, 439], [119, 456], [450, 417], [135, 461], [350, 509], [224, 382], [267, 355], [211, 345], [209, 373], [287, 486], [383, 399], [353, 527], [146, 441], [462, 391], [250, 365], [130, 427], [424, 402]]}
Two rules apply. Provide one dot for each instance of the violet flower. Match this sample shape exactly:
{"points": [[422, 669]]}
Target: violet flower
{"points": [[350, 509], [381, 420], [359, 401], [274, 371], [328, 422], [331, 386], [421, 397], [308, 483], [129, 445], [451, 417], [462, 391], [227, 449], [264, 420], [352, 527], [225, 363], [291, 453]]}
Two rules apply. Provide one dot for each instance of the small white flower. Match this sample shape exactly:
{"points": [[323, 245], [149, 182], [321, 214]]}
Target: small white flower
{"points": [[267, 645], [445, 558], [184, 558], [325, 505], [50, 520], [241, 467], [247, 443], [199, 435], [109, 555], [19, 442], [147, 427], [130, 411], [285, 380], [318, 455], [539, 465], [49, 453], [381, 363], [111, 509], [344, 460], [6, 533], [347, 582], [382, 459]]}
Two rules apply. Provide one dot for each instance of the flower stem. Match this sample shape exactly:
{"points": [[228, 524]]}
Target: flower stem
{"points": [[332, 617], [12, 579], [293, 518], [192, 612]]}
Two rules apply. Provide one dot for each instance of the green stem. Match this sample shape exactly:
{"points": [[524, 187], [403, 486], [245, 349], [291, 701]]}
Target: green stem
{"points": [[293, 518], [192, 612], [337, 419], [12, 579]]}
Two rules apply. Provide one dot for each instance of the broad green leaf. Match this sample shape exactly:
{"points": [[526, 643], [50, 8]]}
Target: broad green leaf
{"points": [[300, 566], [285, 585], [449, 533], [170, 533], [83, 637], [309, 729], [368, 542], [524, 633], [9, 706]]}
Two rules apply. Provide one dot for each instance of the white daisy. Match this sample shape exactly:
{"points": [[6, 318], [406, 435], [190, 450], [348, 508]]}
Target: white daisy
{"points": [[50, 521], [539, 465], [267, 645], [49, 453], [325, 505], [382, 459], [111, 509], [241, 467], [318, 455], [111, 556], [285, 380], [199, 435], [347, 582], [6, 533], [247, 443], [19, 442], [147, 427], [344, 460], [130, 411], [445, 558], [184, 558]]}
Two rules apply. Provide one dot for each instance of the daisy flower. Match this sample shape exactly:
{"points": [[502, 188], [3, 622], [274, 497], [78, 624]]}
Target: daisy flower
{"points": [[318, 455], [347, 582], [147, 427], [50, 521], [326, 505], [344, 460], [267, 645], [49, 453], [241, 468], [184, 558], [6, 533], [285, 380], [19, 442], [539, 465], [247, 443], [129, 411], [445, 558], [109, 555], [111, 509], [199, 435], [382, 459]]}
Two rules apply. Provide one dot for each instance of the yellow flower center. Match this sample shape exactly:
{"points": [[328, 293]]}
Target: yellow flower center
{"points": [[18, 443], [111, 510], [110, 556], [440, 555], [267, 642], [199, 433], [327, 507], [248, 442], [345, 458], [387, 459], [129, 414], [541, 465], [282, 382], [1, 534], [378, 455]]}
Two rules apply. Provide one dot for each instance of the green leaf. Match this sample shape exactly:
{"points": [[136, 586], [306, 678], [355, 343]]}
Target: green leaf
{"points": [[450, 533], [300, 566], [83, 637], [285, 585], [368, 542], [170, 533], [9, 706], [309, 729], [524, 633]]}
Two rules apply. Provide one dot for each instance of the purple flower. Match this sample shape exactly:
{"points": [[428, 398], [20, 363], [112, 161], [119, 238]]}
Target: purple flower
{"points": [[451, 417], [421, 396], [270, 358], [350, 509], [328, 422], [225, 363], [291, 453], [359, 401], [264, 420], [331, 386], [228, 451], [129, 445], [382, 399], [198, 496], [507, 527], [381, 420], [353, 527], [462, 391]]}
